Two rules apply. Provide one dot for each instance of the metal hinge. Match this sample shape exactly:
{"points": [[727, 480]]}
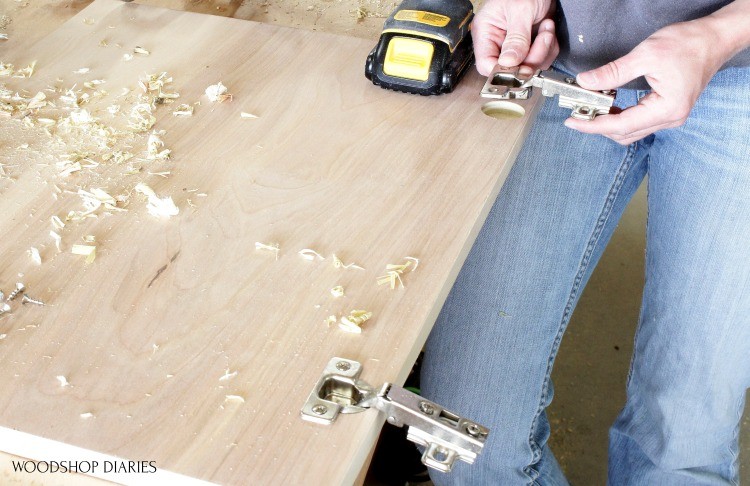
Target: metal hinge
{"points": [[508, 84], [446, 436]]}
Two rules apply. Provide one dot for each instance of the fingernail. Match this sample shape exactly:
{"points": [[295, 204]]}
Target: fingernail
{"points": [[568, 123], [509, 55], [588, 77]]}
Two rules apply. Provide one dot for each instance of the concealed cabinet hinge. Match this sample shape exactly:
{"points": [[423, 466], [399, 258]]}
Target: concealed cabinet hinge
{"points": [[509, 84], [445, 435]]}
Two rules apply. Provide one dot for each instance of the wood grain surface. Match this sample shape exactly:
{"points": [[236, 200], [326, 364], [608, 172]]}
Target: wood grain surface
{"points": [[145, 332]]}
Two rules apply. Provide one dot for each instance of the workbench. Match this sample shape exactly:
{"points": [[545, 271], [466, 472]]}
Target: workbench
{"points": [[187, 341]]}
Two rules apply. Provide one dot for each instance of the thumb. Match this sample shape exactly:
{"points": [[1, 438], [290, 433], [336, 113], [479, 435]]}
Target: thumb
{"points": [[613, 74], [517, 40]]}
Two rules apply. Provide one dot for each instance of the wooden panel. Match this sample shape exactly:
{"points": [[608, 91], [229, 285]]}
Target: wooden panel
{"points": [[144, 333], [27, 22]]}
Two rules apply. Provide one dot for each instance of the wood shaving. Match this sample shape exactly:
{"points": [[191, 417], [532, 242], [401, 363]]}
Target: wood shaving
{"points": [[89, 251], [184, 110], [353, 322], [234, 398], [88, 21], [87, 415], [141, 118], [83, 70], [153, 146], [311, 255], [25, 72], [81, 117], [330, 320], [140, 50], [247, 115], [227, 375], [337, 291], [394, 271], [3, 36], [361, 13], [63, 381], [127, 57], [159, 207], [6, 69], [58, 239], [93, 200], [117, 156], [218, 93], [38, 101], [35, 256], [57, 222], [274, 247], [337, 263], [93, 83]]}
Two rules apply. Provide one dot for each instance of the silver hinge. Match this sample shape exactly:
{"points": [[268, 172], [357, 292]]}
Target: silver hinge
{"points": [[508, 84], [446, 436]]}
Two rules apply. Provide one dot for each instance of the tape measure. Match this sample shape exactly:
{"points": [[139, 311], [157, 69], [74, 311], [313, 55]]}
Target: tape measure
{"points": [[425, 47]]}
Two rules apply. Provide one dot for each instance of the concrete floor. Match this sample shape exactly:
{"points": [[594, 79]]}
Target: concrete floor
{"points": [[594, 358]]}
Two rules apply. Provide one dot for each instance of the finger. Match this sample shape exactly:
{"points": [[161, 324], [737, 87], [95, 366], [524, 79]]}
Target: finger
{"points": [[628, 138], [487, 41], [517, 41], [544, 43], [639, 117], [551, 55], [640, 134], [614, 74]]}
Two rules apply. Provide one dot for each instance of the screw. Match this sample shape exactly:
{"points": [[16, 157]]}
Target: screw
{"points": [[426, 408], [19, 288], [320, 409], [570, 80], [343, 366], [473, 430], [28, 300]]}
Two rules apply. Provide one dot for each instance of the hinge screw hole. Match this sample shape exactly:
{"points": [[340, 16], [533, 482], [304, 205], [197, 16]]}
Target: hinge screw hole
{"points": [[426, 408], [320, 409]]}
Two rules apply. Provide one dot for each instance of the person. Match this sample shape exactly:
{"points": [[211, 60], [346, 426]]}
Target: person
{"points": [[683, 83]]}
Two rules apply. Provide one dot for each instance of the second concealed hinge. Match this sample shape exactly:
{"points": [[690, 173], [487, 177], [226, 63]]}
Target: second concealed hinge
{"points": [[446, 436]]}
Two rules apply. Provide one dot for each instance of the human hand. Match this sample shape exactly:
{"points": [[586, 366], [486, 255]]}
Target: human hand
{"points": [[504, 29], [677, 61]]}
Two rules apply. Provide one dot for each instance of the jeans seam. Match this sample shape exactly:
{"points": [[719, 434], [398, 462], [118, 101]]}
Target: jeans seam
{"points": [[631, 367], [582, 268]]}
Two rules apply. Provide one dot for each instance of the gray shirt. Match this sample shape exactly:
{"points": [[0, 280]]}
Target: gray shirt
{"points": [[592, 33]]}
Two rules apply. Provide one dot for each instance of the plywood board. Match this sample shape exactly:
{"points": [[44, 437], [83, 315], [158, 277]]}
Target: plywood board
{"points": [[145, 332]]}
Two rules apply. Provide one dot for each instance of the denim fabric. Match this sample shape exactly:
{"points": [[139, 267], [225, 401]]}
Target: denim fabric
{"points": [[491, 352]]}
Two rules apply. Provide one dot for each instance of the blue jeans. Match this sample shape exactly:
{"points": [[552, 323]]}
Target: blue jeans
{"points": [[491, 352]]}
